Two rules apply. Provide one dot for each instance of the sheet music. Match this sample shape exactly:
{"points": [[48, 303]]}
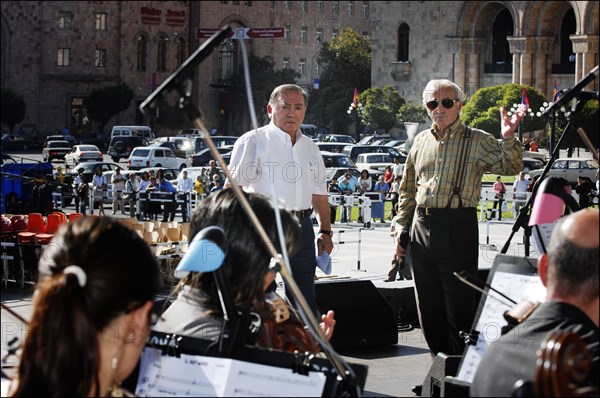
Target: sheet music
{"points": [[541, 236], [199, 376], [516, 286]]}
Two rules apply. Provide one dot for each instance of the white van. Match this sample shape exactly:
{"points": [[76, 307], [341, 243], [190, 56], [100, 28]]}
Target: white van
{"points": [[137, 131]]}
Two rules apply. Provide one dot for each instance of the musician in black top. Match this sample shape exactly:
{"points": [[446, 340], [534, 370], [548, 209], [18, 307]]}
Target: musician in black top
{"points": [[570, 273]]}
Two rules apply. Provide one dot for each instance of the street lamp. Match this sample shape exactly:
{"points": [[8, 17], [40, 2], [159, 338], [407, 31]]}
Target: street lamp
{"points": [[356, 110]]}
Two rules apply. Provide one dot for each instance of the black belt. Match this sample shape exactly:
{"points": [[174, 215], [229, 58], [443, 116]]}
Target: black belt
{"points": [[432, 211], [302, 213]]}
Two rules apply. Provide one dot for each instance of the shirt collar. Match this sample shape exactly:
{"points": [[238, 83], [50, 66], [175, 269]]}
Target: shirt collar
{"points": [[454, 128], [282, 134]]}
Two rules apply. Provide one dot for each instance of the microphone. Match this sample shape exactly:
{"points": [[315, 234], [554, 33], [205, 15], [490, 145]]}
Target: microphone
{"points": [[550, 200], [572, 92], [205, 253]]}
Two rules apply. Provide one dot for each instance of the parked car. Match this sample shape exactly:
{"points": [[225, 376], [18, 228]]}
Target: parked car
{"points": [[7, 159], [132, 131], [368, 139], [536, 155], [101, 140], [203, 157], [219, 141], [149, 156], [121, 146], [532, 164], [59, 137], [354, 151], [55, 150], [570, 169], [9, 142], [374, 163], [335, 147], [339, 160], [83, 153], [337, 138], [88, 170], [182, 147]]}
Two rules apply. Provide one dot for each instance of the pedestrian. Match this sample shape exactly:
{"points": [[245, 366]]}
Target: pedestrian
{"points": [[91, 312], [132, 188], [99, 185], [398, 266], [144, 196], [520, 186], [168, 207], [533, 145], [569, 270], [185, 186], [438, 200], [199, 185], [334, 189], [394, 195], [83, 194], [377, 206], [76, 182], [398, 168], [118, 186], [584, 190], [499, 191], [347, 187], [278, 158]]}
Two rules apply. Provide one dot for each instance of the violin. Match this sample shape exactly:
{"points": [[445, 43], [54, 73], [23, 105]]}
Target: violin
{"points": [[285, 332]]}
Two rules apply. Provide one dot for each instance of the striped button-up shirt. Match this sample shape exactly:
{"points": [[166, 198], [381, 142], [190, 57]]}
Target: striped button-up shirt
{"points": [[431, 169]]}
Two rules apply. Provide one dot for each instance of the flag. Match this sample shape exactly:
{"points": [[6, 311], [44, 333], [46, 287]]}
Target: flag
{"points": [[524, 100], [555, 91], [355, 98]]}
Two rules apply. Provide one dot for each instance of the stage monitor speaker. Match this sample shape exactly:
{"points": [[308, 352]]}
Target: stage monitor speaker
{"points": [[364, 317]]}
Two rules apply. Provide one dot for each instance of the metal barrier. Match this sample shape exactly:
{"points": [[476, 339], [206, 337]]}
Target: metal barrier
{"points": [[359, 241], [489, 195], [363, 202]]}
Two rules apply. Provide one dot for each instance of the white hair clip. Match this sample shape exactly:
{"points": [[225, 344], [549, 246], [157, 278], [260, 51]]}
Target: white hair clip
{"points": [[78, 272]]}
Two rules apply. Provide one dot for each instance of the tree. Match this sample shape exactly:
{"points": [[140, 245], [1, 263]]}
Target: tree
{"points": [[411, 112], [381, 105], [13, 108], [482, 110], [586, 117], [346, 64], [264, 79], [104, 103]]}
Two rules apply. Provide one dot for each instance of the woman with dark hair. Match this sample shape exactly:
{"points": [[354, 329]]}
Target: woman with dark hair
{"points": [[197, 310], [91, 313]]}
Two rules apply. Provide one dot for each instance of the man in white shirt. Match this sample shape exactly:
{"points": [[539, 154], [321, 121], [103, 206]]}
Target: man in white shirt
{"points": [[278, 159], [118, 186], [398, 168], [186, 185]]}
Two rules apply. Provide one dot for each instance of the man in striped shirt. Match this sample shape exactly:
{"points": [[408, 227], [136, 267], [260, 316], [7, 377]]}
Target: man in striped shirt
{"points": [[439, 193]]}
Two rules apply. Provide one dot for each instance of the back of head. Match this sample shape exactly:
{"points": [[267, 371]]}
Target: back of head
{"points": [[116, 273], [573, 256], [247, 260]]}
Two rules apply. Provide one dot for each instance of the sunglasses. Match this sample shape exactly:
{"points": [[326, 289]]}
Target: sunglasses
{"points": [[446, 103]]}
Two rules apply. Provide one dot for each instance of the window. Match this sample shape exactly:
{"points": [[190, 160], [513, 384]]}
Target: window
{"points": [[335, 7], [302, 67], [303, 35], [63, 57], [286, 63], [303, 7], [319, 35], [161, 54], [141, 53], [100, 21], [501, 28], [350, 8], [403, 36], [319, 7], [64, 20], [180, 57], [286, 34], [226, 61], [334, 33], [365, 10], [100, 58]]}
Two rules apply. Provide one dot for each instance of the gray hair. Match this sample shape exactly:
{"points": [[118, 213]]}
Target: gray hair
{"points": [[438, 84], [287, 87]]}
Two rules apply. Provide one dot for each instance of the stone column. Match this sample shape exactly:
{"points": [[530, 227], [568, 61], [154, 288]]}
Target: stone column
{"points": [[541, 74], [524, 48], [458, 48], [473, 78], [585, 48]]}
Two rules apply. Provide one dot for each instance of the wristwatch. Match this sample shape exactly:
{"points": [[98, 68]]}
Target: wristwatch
{"points": [[326, 232]]}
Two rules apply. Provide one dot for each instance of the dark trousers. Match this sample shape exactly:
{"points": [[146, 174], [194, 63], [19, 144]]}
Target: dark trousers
{"points": [[442, 245], [304, 264]]}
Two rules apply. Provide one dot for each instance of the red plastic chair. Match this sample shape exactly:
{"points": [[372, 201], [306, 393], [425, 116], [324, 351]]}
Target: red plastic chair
{"points": [[54, 222], [75, 216], [35, 225], [6, 227], [63, 216], [19, 224]]}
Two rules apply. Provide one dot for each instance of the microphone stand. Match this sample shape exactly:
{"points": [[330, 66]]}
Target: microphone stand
{"points": [[181, 82]]}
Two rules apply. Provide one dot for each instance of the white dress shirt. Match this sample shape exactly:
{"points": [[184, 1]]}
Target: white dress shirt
{"points": [[265, 161], [185, 185]]}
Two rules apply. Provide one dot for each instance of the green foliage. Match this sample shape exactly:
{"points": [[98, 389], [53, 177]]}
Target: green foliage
{"points": [[411, 112], [586, 117], [104, 103], [264, 79], [482, 110], [346, 64], [381, 105], [13, 108]]}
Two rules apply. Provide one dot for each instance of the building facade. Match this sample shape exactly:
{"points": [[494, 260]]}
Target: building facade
{"points": [[56, 53]]}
